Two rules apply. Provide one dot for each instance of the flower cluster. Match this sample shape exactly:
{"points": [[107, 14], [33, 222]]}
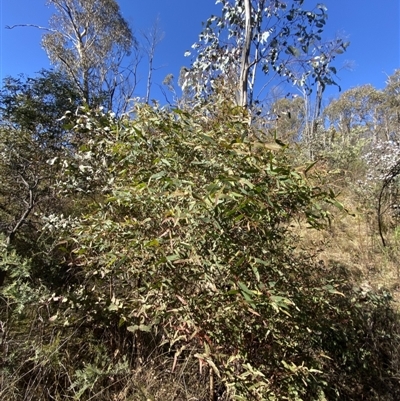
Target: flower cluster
{"points": [[380, 183], [381, 160]]}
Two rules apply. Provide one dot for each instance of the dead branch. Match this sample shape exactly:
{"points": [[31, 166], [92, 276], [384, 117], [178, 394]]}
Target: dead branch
{"points": [[43, 28]]}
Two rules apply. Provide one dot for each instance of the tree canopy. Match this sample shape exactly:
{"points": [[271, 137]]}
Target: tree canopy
{"points": [[273, 37], [89, 40]]}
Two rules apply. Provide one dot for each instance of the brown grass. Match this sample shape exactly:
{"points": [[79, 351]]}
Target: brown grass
{"points": [[352, 241]]}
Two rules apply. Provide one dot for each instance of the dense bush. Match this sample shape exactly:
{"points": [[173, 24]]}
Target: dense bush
{"points": [[180, 250]]}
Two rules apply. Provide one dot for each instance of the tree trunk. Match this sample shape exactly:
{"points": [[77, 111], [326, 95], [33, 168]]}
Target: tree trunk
{"points": [[245, 61]]}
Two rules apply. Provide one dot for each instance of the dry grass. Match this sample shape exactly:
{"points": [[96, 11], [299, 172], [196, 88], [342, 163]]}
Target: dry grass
{"points": [[352, 242]]}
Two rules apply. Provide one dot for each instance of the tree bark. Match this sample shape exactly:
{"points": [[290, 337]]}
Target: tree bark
{"points": [[245, 61]]}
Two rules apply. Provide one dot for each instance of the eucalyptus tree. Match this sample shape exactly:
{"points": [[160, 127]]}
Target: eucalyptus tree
{"points": [[91, 41], [288, 119], [152, 38], [278, 38], [359, 107], [392, 105]]}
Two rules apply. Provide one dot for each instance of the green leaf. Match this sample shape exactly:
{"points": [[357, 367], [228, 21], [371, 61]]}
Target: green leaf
{"points": [[113, 307], [332, 290], [173, 257], [310, 166], [140, 327], [256, 273], [244, 288], [157, 176]]}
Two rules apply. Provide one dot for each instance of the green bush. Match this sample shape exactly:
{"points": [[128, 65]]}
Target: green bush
{"points": [[183, 252]]}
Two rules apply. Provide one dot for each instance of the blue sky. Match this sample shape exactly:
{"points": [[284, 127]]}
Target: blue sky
{"points": [[372, 26]]}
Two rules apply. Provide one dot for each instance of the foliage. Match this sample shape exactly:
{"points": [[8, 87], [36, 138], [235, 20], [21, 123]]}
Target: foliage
{"points": [[25, 175], [32, 136], [381, 184], [273, 37], [362, 137], [156, 255], [187, 250], [392, 105], [360, 107], [36, 104], [88, 40]]}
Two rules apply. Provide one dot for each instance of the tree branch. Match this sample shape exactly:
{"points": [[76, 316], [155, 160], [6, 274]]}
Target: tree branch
{"points": [[43, 28]]}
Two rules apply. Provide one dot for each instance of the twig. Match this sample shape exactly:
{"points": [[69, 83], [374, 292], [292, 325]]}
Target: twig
{"points": [[30, 25]]}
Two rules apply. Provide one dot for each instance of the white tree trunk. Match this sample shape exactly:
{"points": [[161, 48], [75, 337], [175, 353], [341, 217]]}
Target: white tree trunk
{"points": [[245, 61]]}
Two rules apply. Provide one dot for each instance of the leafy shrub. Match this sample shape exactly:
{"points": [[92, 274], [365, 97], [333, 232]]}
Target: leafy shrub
{"points": [[183, 252]]}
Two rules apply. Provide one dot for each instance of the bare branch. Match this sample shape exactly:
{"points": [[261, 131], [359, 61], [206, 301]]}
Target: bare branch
{"points": [[43, 28], [24, 216], [153, 39]]}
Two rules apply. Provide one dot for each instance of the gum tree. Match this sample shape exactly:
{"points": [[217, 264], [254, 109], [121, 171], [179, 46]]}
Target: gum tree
{"points": [[278, 38], [90, 41]]}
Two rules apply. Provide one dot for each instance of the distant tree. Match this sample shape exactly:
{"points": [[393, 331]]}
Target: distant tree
{"points": [[90, 41], [359, 107], [392, 106], [377, 112], [288, 119], [152, 39]]}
